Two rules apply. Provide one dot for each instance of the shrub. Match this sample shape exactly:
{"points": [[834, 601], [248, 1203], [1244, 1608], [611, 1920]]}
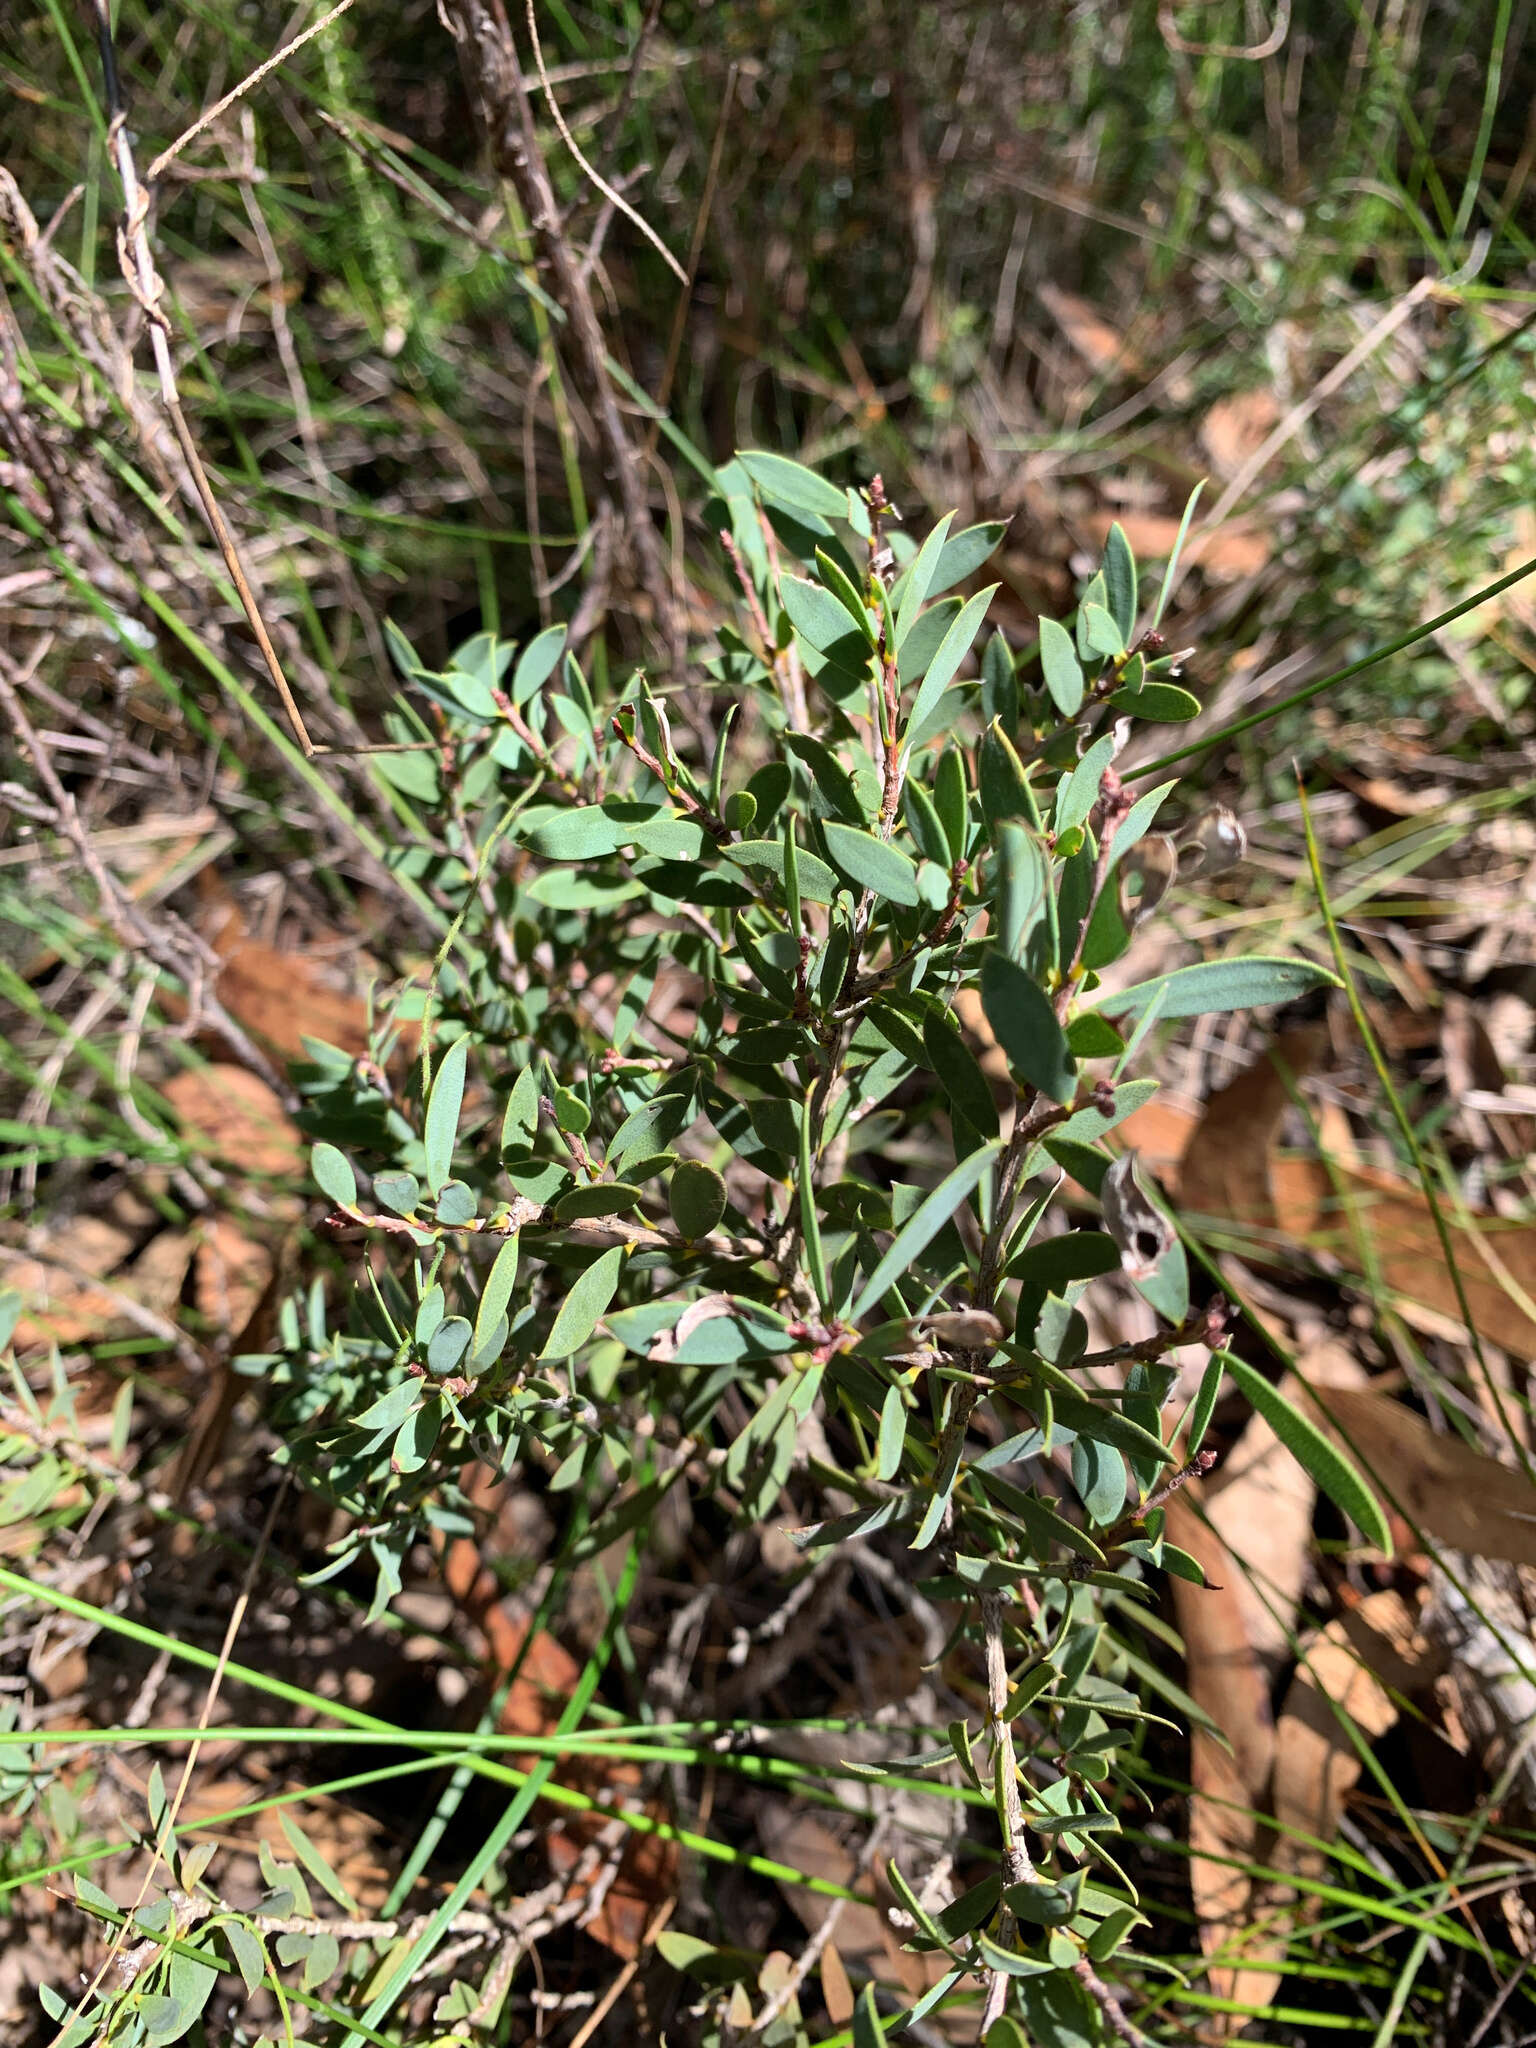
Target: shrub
{"points": [[688, 1128]]}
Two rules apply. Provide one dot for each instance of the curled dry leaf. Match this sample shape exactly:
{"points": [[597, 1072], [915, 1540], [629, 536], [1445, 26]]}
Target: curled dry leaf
{"points": [[1140, 1230]]}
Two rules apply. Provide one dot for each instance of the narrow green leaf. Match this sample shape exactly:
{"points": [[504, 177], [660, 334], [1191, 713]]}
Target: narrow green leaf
{"points": [[1119, 574], [792, 485], [1317, 1454], [810, 1221], [959, 1072], [951, 651], [587, 1301], [964, 553], [924, 1225], [816, 615], [537, 663], [893, 1434], [315, 1863], [333, 1175], [830, 776], [872, 863], [1212, 985], [444, 1101], [920, 577], [1081, 790], [952, 800], [1100, 631], [838, 581], [391, 1409], [1061, 668], [818, 884], [245, 1947], [599, 1198], [1025, 1026], [867, 2030], [924, 823], [1198, 1419], [1156, 703]]}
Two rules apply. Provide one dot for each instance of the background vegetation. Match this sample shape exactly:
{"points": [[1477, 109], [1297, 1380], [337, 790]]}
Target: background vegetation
{"points": [[1044, 268]]}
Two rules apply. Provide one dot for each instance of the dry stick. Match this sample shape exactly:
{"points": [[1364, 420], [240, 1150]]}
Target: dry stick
{"points": [[609, 192], [504, 113], [148, 288], [186, 959], [204, 120]]}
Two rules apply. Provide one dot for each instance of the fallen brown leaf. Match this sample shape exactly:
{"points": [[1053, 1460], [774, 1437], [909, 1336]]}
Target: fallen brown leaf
{"points": [[1226, 554], [1230, 1785], [282, 998], [1347, 1674], [1236, 426], [1230, 1170], [63, 1302], [238, 1117], [1455, 1494]]}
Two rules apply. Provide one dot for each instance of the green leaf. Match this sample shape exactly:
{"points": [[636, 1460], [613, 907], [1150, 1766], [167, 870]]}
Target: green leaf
{"points": [[818, 884], [1098, 1473], [792, 485], [872, 863], [893, 1434], [924, 637], [1093, 1037], [580, 1312], [960, 1074], [920, 577], [952, 800], [815, 614], [1025, 1026], [397, 1191], [456, 1205], [1212, 985], [1119, 574], [838, 581], [1074, 1255], [1061, 668], [333, 1175], [924, 1225], [1100, 631], [447, 1345], [964, 553], [584, 832], [924, 823], [315, 1863], [951, 651], [537, 663], [696, 1198], [444, 1101], [496, 1293], [391, 1409], [1081, 790], [522, 1114], [600, 1198], [830, 776], [1157, 703], [416, 1439], [867, 2030], [1317, 1454], [1197, 1420], [245, 1947]]}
